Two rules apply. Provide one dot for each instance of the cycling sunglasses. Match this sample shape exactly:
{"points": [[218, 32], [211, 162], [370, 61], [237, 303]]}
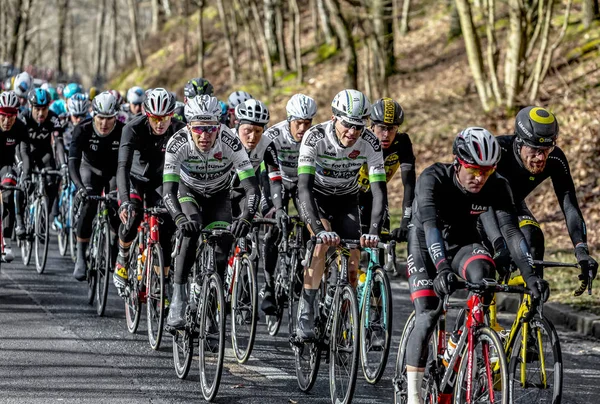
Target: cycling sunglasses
{"points": [[157, 119], [349, 125], [200, 129], [477, 171]]}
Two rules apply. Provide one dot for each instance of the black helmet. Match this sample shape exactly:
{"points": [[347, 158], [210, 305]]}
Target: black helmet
{"points": [[388, 112], [38, 97], [536, 127], [198, 86]]}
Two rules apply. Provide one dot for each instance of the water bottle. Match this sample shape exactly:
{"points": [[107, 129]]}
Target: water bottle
{"points": [[362, 277], [195, 290], [329, 300], [139, 267], [452, 343]]}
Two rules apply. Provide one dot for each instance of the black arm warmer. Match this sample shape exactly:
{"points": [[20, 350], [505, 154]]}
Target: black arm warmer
{"points": [[409, 179], [170, 198], [24, 154], [308, 207], [126, 149], [515, 240], [379, 191], [435, 245], [252, 192]]}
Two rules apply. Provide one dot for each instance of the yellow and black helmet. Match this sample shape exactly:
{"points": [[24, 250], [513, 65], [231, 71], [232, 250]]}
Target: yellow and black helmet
{"points": [[386, 111], [536, 127]]}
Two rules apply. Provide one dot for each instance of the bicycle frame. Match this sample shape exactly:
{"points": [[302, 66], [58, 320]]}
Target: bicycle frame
{"points": [[149, 236], [366, 291]]}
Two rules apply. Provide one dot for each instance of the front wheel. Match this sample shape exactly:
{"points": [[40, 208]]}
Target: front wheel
{"points": [[376, 327], [211, 342], [182, 352], [343, 347], [41, 234], [535, 367], [155, 298], [132, 300], [103, 264], [244, 297], [26, 244], [63, 235], [483, 372]]}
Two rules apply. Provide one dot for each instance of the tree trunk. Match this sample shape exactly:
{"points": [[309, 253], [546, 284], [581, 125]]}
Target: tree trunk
{"points": [[231, 60], [590, 12], [473, 50], [263, 42], [455, 30], [384, 31], [492, 49], [297, 45], [71, 40], [283, 60], [269, 7], [346, 42], [114, 36], [515, 52], [63, 10], [404, 27], [167, 7], [3, 30], [99, 38], [27, 6], [200, 60], [186, 41], [14, 37], [325, 21], [314, 20], [158, 16], [134, 33]]}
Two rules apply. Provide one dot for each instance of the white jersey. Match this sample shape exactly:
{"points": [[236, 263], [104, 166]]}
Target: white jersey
{"points": [[210, 172], [287, 150], [335, 167]]}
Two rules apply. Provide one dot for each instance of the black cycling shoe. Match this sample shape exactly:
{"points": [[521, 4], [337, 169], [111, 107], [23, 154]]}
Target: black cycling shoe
{"points": [[20, 232], [268, 305], [176, 318], [80, 272]]}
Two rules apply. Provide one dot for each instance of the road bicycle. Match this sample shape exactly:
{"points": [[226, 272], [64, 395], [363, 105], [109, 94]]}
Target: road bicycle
{"points": [[476, 370], [65, 220], [205, 316], [2, 244], [147, 278]]}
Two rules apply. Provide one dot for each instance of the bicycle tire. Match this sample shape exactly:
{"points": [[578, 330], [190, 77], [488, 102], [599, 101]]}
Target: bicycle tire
{"points": [[307, 355], [41, 234], [91, 276], [132, 300], [530, 393], [294, 281], [345, 331], [485, 336], [182, 352], [244, 314], [213, 308], [72, 235], [274, 321], [373, 368], [26, 245], [103, 264], [155, 301], [400, 381], [63, 237]]}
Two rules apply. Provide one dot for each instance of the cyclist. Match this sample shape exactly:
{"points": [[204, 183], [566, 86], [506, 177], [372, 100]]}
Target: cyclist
{"points": [[386, 117], [136, 97], [235, 99], [78, 111], [13, 141], [192, 88], [330, 158], [529, 157], [45, 145], [22, 85], [93, 166], [71, 89], [443, 241], [197, 177], [287, 137], [140, 175]]}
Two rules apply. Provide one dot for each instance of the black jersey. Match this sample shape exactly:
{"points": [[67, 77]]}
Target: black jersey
{"points": [[12, 143], [40, 136]]}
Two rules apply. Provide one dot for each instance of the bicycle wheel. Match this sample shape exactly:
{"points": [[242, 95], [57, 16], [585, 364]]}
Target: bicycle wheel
{"points": [[103, 263], [488, 379], [244, 297], [274, 321], [211, 343], [132, 299], [541, 371], [92, 277], [155, 297], [26, 245], [182, 352], [307, 355], [72, 235], [295, 281], [400, 381], [63, 236], [41, 234], [373, 353]]}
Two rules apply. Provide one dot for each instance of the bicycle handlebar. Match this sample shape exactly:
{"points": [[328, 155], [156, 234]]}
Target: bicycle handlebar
{"points": [[44, 171], [259, 221]]}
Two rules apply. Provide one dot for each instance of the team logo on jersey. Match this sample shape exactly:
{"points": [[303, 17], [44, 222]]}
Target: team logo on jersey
{"points": [[176, 143], [354, 154], [372, 140], [314, 136], [218, 156], [232, 142], [478, 209]]}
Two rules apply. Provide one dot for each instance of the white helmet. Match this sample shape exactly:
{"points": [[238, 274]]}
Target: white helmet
{"points": [[237, 97], [23, 84], [477, 146], [253, 111], [105, 105], [351, 106], [159, 102], [301, 106], [202, 108], [9, 100], [78, 105], [136, 95]]}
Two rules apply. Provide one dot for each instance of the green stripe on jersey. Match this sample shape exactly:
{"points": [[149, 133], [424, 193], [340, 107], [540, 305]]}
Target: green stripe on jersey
{"points": [[307, 170], [246, 174], [171, 178], [376, 177]]}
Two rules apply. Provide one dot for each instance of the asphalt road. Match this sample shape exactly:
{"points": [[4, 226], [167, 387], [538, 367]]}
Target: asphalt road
{"points": [[54, 348]]}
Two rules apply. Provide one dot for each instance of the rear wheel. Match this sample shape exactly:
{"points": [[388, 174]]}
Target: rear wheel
{"points": [[103, 264], [307, 355], [155, 298], [211, 343], [71, 229], [538, 378], [343, 347], [132, 299], [41, 234], [244, 310], [295, 282], [182, 352], [63, 231], [26, 244], [376, 327]]}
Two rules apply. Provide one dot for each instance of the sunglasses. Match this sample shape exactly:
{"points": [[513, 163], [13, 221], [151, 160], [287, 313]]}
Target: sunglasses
{"points": [[534, 151], [200, 129], [477, 171], [157, 119], [349, 125]]}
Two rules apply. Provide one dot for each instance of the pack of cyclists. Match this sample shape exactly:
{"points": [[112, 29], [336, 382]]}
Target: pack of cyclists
{"points": [[216, 164]]}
